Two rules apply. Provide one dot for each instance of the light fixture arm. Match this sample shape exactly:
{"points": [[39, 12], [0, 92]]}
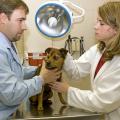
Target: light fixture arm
{"points": [[82, 11]]}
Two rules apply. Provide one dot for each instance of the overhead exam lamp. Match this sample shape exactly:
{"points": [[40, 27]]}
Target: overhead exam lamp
{"points": [[54, 18]]}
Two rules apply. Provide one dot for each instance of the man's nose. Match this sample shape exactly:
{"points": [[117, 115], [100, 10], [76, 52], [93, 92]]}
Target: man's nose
{"points": [[24, 26]]}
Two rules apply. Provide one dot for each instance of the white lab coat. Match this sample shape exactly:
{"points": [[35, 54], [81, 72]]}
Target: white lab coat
{"points": [[105, 94]]}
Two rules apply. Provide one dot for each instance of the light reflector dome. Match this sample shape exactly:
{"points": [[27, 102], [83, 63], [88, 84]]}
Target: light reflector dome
{"points": [[53, 19]]}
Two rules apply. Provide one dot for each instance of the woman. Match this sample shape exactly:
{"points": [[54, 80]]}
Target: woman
{"points": [[102, 62]]}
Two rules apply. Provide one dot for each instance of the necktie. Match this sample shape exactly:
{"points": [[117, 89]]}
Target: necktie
{"points": [[13, 47]]}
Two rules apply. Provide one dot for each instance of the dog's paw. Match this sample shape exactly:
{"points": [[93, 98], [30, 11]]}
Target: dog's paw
{"points": [[47, 103], [40, 108]]}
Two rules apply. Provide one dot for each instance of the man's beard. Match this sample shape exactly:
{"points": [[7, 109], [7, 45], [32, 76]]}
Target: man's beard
{"points": [[17, 38]]}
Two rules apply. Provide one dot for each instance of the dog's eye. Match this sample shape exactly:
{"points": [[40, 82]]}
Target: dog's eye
{"points": [[56, 57]]}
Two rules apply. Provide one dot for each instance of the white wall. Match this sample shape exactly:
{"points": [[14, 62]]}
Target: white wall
{"points": [[36, 42]]}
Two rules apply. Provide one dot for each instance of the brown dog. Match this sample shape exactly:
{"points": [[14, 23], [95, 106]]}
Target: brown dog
{"points": [[54, 59]]}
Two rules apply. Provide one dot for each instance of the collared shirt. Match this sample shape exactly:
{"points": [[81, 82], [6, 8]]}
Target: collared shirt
{"points": [[13, 47], [14, 89], [100, 64]]}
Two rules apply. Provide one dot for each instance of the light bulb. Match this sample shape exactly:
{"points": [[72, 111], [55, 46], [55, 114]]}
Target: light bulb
{"points": [[52, 22]]}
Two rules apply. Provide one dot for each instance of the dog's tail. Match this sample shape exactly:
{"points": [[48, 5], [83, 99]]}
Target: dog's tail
{"points": [[62, 99]]}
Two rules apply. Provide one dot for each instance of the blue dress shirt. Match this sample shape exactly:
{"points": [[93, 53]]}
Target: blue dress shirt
{"points": [[14, 89]]}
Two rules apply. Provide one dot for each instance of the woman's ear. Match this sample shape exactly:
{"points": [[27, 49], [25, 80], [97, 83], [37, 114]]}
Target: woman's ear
{"points": [[112, 30]]}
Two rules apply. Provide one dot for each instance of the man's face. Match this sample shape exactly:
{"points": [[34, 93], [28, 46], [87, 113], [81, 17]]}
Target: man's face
{"points": [[15, 25]]}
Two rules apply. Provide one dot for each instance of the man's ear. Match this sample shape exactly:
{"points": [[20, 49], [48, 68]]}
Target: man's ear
{"points": [[3, 18]]}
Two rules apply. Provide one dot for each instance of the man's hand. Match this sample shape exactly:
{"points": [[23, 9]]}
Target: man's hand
{"points": [[37, 72], [49, 75]]}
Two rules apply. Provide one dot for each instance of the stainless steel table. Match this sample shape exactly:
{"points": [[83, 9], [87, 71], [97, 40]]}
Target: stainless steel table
{"points": [[53, 112]]}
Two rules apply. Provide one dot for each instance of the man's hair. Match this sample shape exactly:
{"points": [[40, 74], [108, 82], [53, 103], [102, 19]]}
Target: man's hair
{"points": [[8, 6], [109, 12]]}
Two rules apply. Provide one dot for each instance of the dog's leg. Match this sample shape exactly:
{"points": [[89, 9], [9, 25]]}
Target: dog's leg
{"points": [[60, 94], [34, 100], [61, 99], [40, 100]]}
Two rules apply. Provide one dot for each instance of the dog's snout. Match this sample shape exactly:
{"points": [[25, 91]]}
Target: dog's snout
{"points": [[48, 64]]}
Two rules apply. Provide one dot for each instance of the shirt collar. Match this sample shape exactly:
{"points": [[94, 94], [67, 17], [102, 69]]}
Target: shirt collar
{"points": [[4, 41]]}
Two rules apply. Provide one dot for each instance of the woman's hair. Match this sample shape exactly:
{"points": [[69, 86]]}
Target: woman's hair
{"points": [[109, 12], [8, 6]]}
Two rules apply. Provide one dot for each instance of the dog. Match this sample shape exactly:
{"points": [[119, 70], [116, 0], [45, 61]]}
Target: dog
{"points": [[42, 99], [54, 59]]}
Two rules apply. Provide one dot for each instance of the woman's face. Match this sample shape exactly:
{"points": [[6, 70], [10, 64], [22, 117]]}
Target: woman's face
{"points": [[103, 32]]}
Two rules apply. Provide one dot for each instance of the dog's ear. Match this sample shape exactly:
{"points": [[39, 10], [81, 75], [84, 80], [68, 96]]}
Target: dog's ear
{"points": [[48, 50], [63, 52]]}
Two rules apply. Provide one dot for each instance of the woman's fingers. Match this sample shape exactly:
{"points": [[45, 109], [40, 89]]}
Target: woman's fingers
{"points": [[59, 86]]}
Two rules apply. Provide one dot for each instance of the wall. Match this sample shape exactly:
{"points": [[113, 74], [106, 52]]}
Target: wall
{"points": [[36, 42]]}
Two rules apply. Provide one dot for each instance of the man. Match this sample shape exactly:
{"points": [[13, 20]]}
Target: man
{"points": [[13, 88]]}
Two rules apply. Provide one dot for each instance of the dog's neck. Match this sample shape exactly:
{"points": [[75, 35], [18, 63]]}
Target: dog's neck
{"points": [[60, 78]]}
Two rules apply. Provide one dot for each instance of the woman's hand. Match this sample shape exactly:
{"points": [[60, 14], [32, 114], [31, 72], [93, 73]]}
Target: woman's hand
{"points": [[61, 87]]}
